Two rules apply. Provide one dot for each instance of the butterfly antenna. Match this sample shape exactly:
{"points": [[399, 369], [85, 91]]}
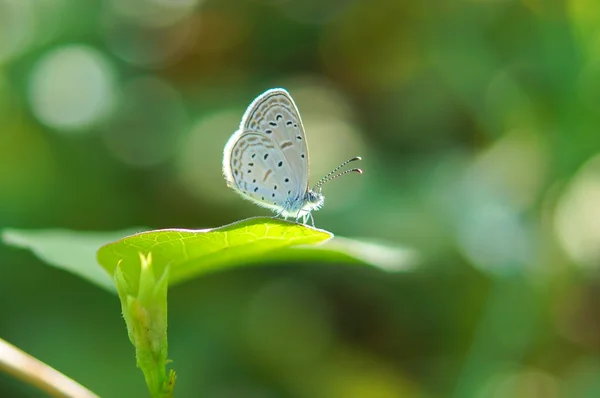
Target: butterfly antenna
{"points": [[330, 175]]}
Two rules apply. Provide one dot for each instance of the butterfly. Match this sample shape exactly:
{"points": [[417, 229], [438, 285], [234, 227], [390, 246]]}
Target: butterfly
{"points": [[266, 159]]}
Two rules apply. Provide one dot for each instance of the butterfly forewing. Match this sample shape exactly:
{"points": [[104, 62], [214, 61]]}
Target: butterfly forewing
{"points": [[274, 115], [258, 171]]}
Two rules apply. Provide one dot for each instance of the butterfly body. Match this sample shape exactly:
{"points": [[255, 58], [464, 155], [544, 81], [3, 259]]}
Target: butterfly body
{"points": [[266, 159], [302, 206]]}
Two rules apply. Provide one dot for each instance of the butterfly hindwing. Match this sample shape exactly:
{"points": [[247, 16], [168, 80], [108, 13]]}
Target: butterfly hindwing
{"points": [[259, 171]]}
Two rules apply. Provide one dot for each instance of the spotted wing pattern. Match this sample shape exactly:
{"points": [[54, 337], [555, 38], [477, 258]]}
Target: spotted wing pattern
{"points": [[260, 173], [275, 115]]}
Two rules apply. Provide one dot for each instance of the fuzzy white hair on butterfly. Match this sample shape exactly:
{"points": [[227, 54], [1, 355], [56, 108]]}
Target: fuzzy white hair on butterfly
{"points": [[266, 159]]}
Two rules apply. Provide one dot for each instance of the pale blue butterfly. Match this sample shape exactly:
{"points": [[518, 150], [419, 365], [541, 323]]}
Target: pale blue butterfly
{"points": [[266, 159]]}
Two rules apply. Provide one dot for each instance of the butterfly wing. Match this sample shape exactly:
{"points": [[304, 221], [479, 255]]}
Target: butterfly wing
{"points": [[275, 115], [255, 167]]}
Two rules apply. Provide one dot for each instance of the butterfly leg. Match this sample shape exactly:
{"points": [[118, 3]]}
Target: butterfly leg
{"points": [[312, 219], [306, 217]]}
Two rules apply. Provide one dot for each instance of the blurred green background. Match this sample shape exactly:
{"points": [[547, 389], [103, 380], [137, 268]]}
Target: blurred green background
{"points": [[478, 125]]}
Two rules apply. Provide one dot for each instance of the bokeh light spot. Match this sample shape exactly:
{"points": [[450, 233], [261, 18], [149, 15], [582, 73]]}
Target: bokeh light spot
{"points": [[148, 46], [72, 88], [528, 383], [148, 123], [577, 218], [199, 164], [332, 137], [499, 185], [158, 13]]}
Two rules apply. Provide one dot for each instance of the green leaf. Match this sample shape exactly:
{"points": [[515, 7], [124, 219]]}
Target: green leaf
{"points": [[193, 252], [72, 251], [385, 256]]}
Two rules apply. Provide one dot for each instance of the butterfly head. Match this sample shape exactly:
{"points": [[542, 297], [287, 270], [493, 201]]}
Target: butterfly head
{"points": [[314, 199]]}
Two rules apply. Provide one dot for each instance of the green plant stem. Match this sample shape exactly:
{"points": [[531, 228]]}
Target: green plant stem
{"points": [[36, 373], [144, 306]]}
